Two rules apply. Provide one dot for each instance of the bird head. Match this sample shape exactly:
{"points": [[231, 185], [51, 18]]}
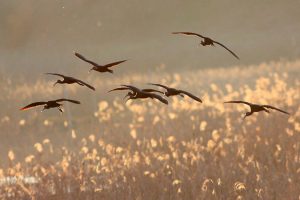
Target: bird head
{"points": [[202, 43], [167, 94], [58, 81], [247, 114], [94, 68], [130, 95]]}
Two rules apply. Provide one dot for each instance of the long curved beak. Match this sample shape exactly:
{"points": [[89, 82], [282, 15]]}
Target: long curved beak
{"points": [[127, 95], [55, 83], [244, 117]]}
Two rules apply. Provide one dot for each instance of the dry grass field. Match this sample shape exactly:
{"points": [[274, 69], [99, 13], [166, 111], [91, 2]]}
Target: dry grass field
{"points": [[106, 149]]}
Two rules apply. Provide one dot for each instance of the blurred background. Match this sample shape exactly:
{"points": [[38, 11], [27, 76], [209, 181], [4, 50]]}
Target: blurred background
{"points": [[106, 148], [39, 36]]}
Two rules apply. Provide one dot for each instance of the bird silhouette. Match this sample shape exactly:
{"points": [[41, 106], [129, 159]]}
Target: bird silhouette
{"points": [[257, 108], [70, 80], [136, 93], [173, 92], [207, 41], [97, 67], [49, 104]]}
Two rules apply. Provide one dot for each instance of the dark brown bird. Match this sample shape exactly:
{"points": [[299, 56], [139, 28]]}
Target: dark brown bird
{"points": [[173, 92], [97, 67], [207, 41], [257, 108], [70, 80], [49, 104], [137, 93]]}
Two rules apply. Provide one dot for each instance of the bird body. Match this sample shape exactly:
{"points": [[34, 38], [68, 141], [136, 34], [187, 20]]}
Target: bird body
{"points": [[70, 80], [173, 92], [207, 41], [49, 104], [257, 108], [97, 67]]}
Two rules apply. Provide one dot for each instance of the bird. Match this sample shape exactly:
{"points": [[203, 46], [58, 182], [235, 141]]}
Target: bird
{"points": [[136, 93], [50, 104], [143, 90], [257, 108], [208, 41], [70, 80], [173, 92], [97, 67]]}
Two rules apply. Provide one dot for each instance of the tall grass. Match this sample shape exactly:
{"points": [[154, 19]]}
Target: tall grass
{"points": [[105, 149]]}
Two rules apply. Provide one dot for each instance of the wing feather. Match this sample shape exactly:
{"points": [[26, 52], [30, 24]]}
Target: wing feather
{"points": [[134, 89], [244, 102], [85, 59], [191, 95], [114, 63], [274, 108], [120, 88], [161, 99], [56, 74], [84, 83], [189, 33], [70, 100], [227, 49], [152, 90], [159, 85], [33, 105]]}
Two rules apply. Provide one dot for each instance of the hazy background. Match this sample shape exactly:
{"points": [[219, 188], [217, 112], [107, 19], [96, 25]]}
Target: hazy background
{"points": [[37, 36]]}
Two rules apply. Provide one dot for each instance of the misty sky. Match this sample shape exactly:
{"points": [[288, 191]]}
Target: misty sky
{"points": [[40, 35]]}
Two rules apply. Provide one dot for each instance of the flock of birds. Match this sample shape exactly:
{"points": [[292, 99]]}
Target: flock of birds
{"points": [[137, 93]]}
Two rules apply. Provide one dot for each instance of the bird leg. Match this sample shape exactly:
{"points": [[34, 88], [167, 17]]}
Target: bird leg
{"points": [[267, 111], [60, 109]]}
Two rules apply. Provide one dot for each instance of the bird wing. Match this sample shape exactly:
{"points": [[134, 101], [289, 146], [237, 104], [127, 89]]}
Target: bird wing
{"points": [[227, 49], [189, 33], [120, 88], [191, 95], [56, 74], [152, 90], [134, 89], [272, 107], [86, 60], [244, 102], [84, 83], [160, 85], [70, 100], [33, 105], [156, 96], [114, 63]]}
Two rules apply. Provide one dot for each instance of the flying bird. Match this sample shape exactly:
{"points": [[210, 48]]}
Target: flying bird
{"points": [[257, 108], [70, 80], [50, 104], [136, 93], [172, 92], [207, 41], [97, 67]]}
